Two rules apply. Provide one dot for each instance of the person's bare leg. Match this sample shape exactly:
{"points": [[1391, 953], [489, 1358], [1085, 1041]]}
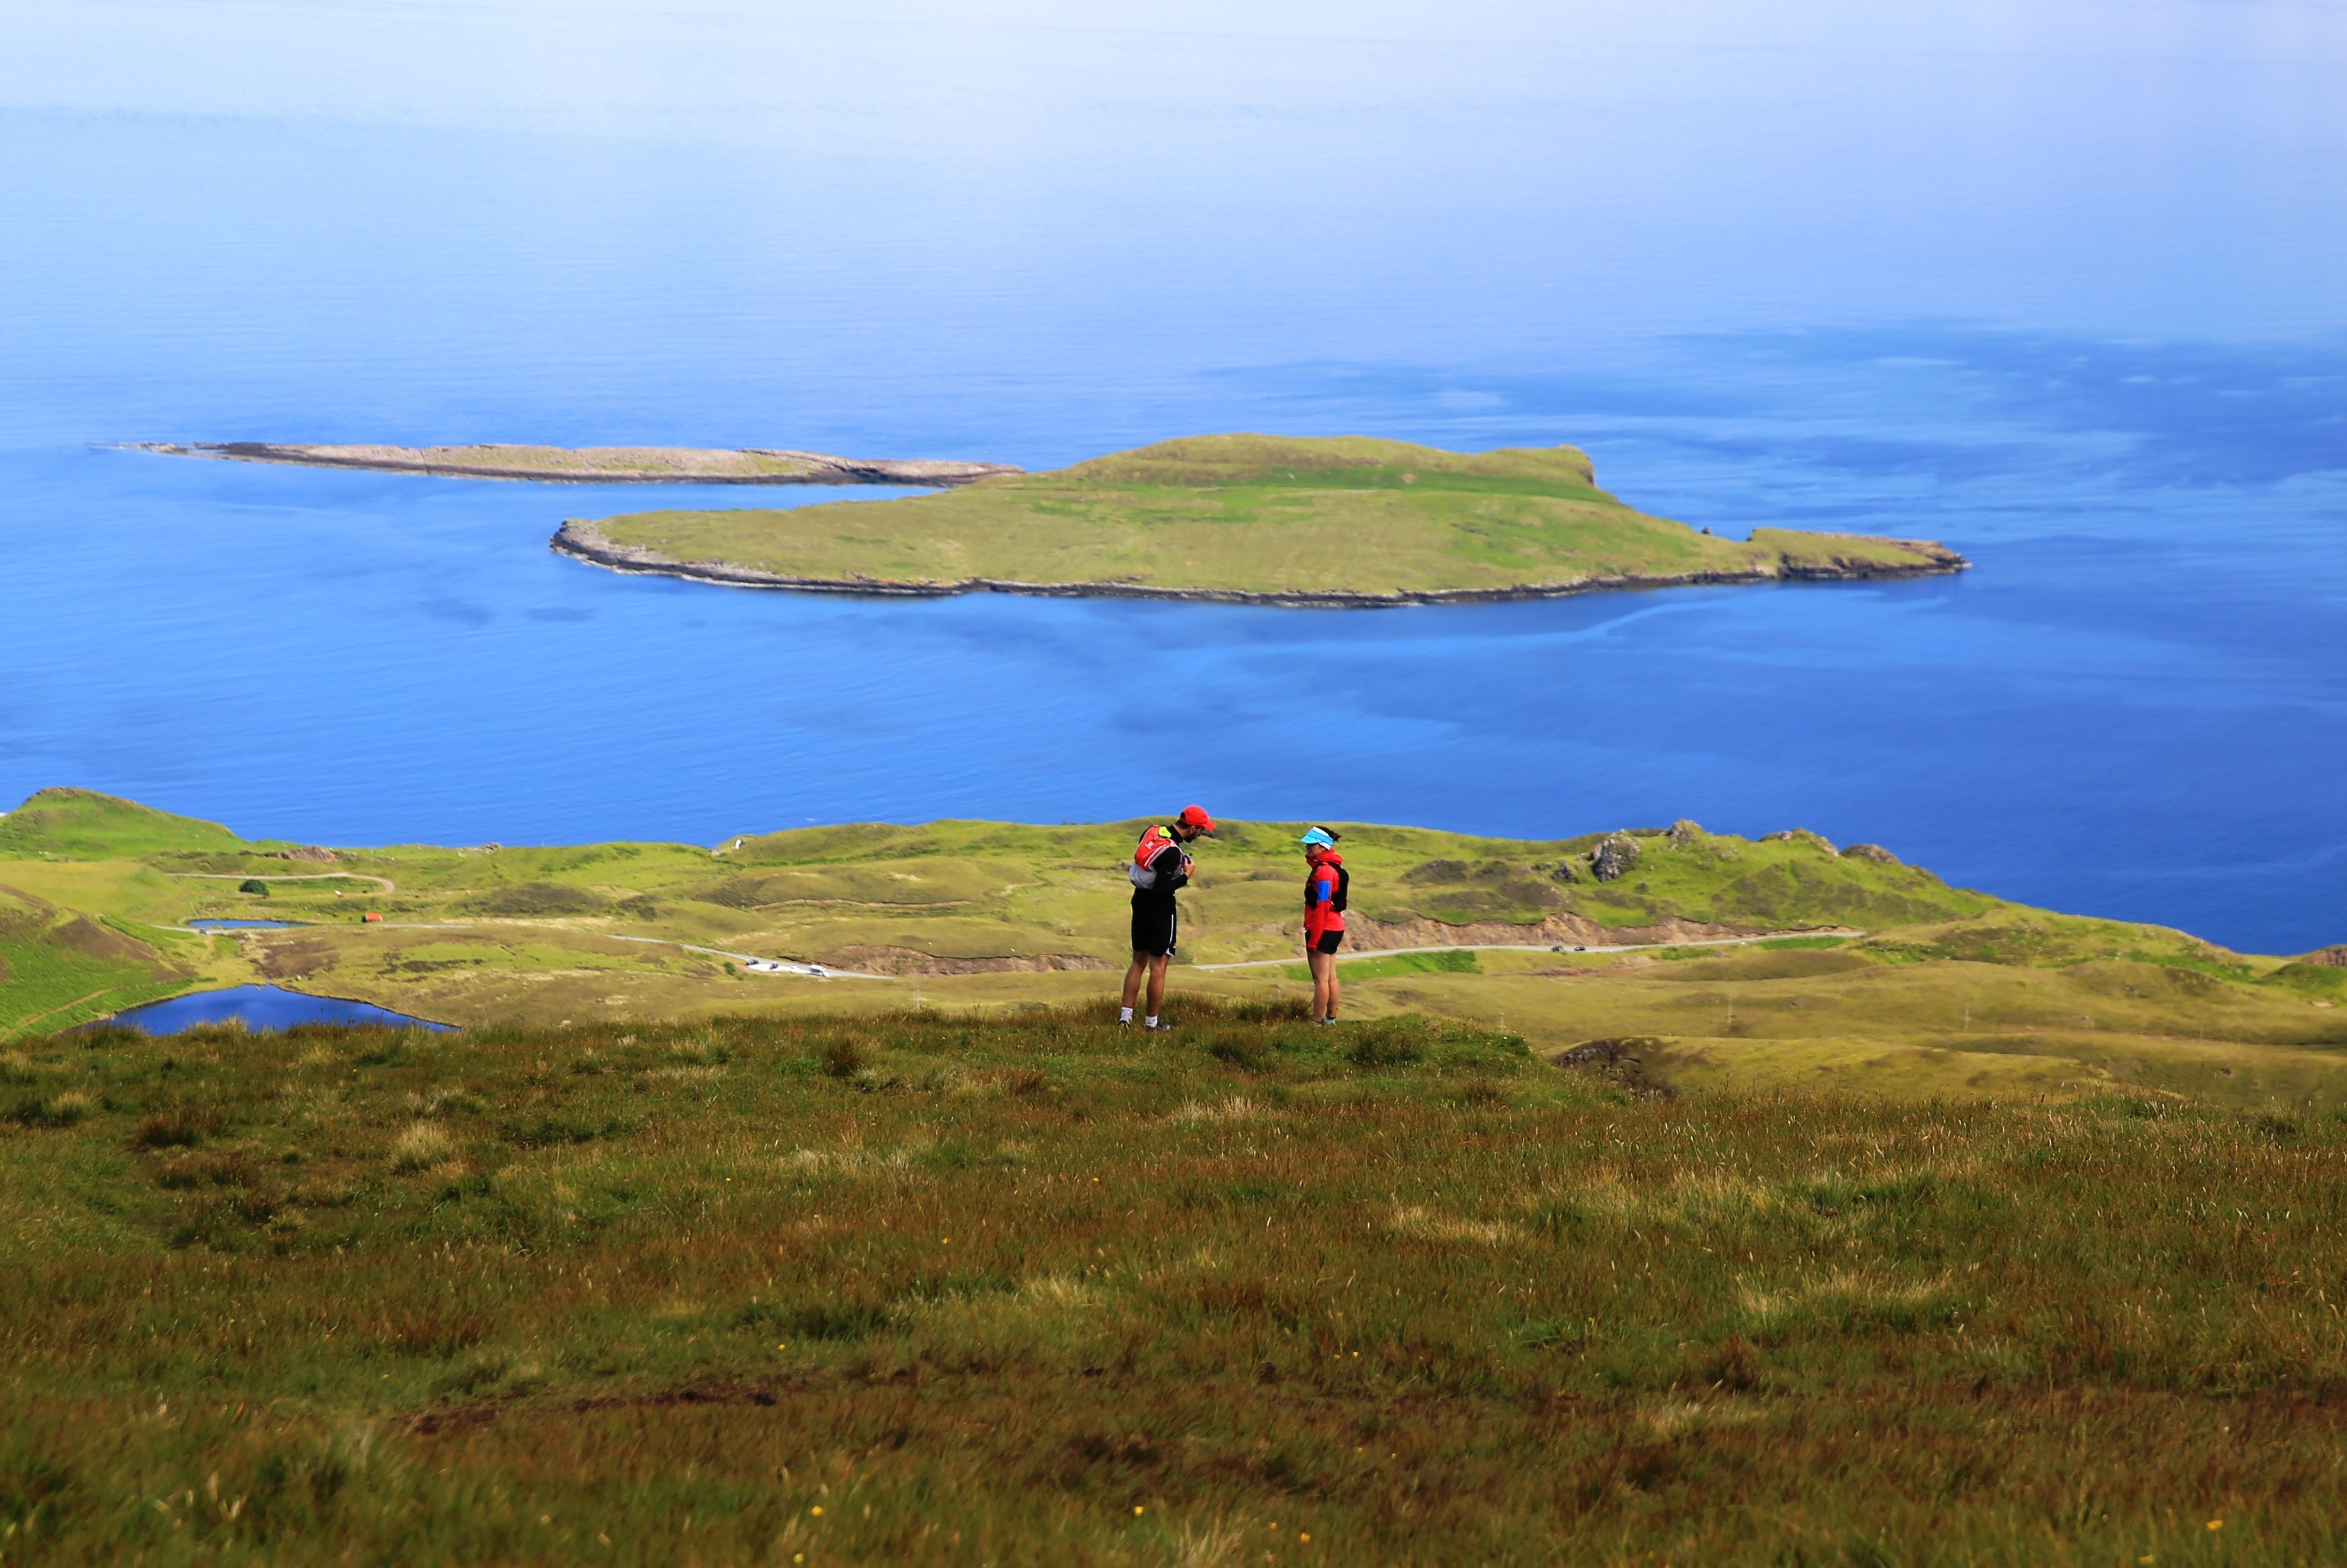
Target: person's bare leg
{"points": [[1157, 983], [1331, 1014], [1132, 979]]}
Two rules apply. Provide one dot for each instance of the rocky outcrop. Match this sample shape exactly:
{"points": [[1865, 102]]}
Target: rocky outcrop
{"points": [[1874, 852], [605, 464], [310, 853], [1683, 833], [1841, 568], [1802, 835], [581, 538], [1620, 1061], [1613, 857], [2331, 957]]}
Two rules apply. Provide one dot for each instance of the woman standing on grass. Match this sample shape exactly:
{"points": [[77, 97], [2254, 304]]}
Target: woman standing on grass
{"points": [[1325, 884]]}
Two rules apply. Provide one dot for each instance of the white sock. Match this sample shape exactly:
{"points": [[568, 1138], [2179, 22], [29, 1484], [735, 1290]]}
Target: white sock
{"points": [[1153, 1020], [1124, 1015]]}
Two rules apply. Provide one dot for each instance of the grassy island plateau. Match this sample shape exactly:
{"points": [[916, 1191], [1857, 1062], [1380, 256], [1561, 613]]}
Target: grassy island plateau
{"points": [[602, 465], [1342, 521], [1936, 1231]]}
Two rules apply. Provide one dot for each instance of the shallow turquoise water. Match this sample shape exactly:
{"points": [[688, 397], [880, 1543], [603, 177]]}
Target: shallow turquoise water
{"points": [[2080, 323]]}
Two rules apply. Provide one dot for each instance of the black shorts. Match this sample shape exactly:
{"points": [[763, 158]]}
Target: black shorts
{"points": [[1326, 942], [1154, 926]]}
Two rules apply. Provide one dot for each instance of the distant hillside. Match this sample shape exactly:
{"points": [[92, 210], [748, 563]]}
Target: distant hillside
{"points": [[87, 826], [1339, 521], [59, 966], [1843, 965]]}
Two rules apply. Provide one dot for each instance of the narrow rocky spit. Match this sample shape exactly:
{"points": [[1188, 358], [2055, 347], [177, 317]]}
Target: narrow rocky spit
{"points": [[602, 465]]}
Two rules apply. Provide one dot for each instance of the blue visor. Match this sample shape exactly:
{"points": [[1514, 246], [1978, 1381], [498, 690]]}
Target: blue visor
{"points": [[1316, 837]]}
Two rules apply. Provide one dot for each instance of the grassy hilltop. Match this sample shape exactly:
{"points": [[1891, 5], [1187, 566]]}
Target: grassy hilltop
{"points": [[1935, 988], [1331, 521], [923, 1288], [664, 1261]]}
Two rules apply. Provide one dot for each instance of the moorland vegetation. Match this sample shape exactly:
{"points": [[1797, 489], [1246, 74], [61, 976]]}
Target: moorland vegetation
{"points": [[923, 1287], [1547, 1253]]}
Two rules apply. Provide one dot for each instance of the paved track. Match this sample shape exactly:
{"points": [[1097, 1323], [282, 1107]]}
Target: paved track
{"points": [[1534, 947]]}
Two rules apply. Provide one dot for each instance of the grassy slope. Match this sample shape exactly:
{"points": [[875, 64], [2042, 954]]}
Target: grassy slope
{"points": [[81, 824], [1027, 1291], [59, 966], [1248, 513], [1956, 991]]}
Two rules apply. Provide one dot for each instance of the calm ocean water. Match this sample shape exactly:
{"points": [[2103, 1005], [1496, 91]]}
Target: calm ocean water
{"points": [[2072, 305]]}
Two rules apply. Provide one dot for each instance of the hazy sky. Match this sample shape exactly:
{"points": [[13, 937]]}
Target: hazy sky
{"points": [[988, 78], [1015, 184]]}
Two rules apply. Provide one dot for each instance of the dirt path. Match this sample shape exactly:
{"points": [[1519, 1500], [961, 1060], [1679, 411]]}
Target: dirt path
{"points": [[749, 961], [25, 1026]]}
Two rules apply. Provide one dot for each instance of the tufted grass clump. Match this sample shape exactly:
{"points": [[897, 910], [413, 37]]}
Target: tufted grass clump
{"points": [[421, 1146]]}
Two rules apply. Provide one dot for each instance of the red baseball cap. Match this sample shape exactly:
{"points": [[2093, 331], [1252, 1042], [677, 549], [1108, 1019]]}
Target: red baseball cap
{"points": [[1195, 816]]}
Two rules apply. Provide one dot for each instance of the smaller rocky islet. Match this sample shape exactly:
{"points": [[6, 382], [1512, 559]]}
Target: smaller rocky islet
{"points": [[597, 464]]}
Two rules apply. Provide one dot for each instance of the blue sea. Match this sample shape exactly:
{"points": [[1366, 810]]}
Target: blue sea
{"points": [[2061, 287]]}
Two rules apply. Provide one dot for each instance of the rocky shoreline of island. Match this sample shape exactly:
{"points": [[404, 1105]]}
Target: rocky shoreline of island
{"points": [[602, 465], [581, 539]]}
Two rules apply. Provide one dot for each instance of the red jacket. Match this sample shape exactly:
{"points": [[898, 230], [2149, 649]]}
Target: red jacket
{"points": [[1320, 889]]}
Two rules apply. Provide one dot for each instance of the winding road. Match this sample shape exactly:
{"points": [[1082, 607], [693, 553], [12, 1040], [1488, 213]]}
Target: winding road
{"points": [[385, 883], [1535, 948]]}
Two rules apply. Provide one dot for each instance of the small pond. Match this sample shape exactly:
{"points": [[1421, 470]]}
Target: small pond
{"points": [[262, 1007]]}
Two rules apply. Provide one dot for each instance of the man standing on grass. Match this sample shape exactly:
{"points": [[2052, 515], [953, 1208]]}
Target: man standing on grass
{"points": [[1160, 869]]}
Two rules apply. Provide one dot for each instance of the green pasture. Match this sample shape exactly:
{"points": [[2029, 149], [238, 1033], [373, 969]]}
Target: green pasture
{"points": [[1253, 513]]}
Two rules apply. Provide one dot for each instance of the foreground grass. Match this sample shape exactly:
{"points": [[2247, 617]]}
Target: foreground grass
{"points": [[1259, 515], [913, 1288]]}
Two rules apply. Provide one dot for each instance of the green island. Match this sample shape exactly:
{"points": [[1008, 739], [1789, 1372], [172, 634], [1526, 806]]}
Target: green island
{"points": [[1339, 521], [1915, 1228]]}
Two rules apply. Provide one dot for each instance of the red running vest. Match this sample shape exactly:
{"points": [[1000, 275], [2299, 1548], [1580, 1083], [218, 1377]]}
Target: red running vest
{"points": [[1320, 911]]}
